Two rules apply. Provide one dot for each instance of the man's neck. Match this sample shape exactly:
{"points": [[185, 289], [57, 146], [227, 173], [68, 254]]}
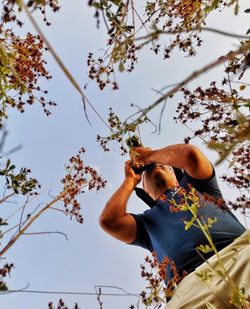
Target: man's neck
{"points": [[159, 193]]}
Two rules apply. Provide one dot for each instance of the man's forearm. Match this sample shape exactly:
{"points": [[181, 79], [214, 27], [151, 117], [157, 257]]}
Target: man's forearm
{"points": [[180, 155], [115, 208]]}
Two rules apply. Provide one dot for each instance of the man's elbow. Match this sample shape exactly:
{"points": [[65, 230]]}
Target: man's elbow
{"points": [[105, 223], [193, 154], [189, 157]]}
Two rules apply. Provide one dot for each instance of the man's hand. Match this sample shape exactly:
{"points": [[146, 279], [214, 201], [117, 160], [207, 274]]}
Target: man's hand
{"points": [[130, 174], [142, 155]]}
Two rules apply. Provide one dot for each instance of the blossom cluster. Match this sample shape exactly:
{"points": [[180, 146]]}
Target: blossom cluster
{"points": [[4, 271], [10, 8], [24, 68], [154, 272], [224, 121], [121, 49], [182, 19], [185, 18], [79, 178], [61, 305]]}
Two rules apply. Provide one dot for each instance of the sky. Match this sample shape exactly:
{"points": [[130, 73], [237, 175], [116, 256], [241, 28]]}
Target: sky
{"points": [[91, 257]]}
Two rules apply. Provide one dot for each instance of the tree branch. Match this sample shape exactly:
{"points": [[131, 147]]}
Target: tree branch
{"points": [[14, 239], [155, 34], [7, 197], [193, 76]]}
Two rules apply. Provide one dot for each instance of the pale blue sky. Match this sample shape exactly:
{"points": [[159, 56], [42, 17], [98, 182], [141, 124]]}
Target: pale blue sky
{"points": [[91, 257]]}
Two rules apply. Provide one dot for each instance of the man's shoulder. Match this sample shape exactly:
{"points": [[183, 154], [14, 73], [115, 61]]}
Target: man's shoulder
{"points": [[209, 186]]}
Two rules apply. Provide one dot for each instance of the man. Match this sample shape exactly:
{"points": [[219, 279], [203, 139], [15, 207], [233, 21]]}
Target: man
{"points": [[161, 230]]}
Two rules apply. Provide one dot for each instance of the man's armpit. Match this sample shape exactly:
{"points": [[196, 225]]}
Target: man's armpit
{"points": [[142, 238]]}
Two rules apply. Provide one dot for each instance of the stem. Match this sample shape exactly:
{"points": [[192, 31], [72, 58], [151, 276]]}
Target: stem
{"points": [[12, 241], [208, 237], [7, 197]]}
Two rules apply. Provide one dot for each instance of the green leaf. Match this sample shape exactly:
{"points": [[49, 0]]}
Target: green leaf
{"points": [[12, 167], [211, 221], [96, 5], [3, 287], [116, 2], [121, 67], [16, 190], [2, 222], [205, 249], [203, 275], [108, 14], [129, 28], [231, 163], [15, 183], [194, 209], [184, 207], [214, 5], [188, 224], [8, 163]]}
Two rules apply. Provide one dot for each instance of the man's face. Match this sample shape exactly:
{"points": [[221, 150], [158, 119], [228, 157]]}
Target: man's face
{"points": [[158, 179]]}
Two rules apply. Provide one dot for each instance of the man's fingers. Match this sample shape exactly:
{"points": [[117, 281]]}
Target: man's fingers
{"points": [[129, 163]]}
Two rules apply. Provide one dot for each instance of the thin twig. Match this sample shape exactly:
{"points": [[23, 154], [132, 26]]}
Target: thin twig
{"points": [[3, 138], [58, 209], [48, 233], [7, 197], [15, 149], [162, 110], [10, 229], [141, 110], [114, 287], [22, 212], [103, 16]]}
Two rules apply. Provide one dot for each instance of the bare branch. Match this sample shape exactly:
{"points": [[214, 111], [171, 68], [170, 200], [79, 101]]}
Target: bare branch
{"points": [[7, 197], [48, 233], [155, 34]]}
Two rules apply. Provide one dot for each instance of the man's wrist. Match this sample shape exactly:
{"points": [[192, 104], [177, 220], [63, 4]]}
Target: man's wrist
{"points": [[129, 182], [151, 157]]}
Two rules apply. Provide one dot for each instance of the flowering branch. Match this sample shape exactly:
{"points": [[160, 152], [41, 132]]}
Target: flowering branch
{"points": [[78, 178]]}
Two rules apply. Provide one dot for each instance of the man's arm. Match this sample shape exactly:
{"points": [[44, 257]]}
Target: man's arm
{"points": [[114, 218], [185, 156]]}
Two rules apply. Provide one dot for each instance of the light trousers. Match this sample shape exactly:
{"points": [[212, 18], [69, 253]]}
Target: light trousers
{"points": [[213, 290]]}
